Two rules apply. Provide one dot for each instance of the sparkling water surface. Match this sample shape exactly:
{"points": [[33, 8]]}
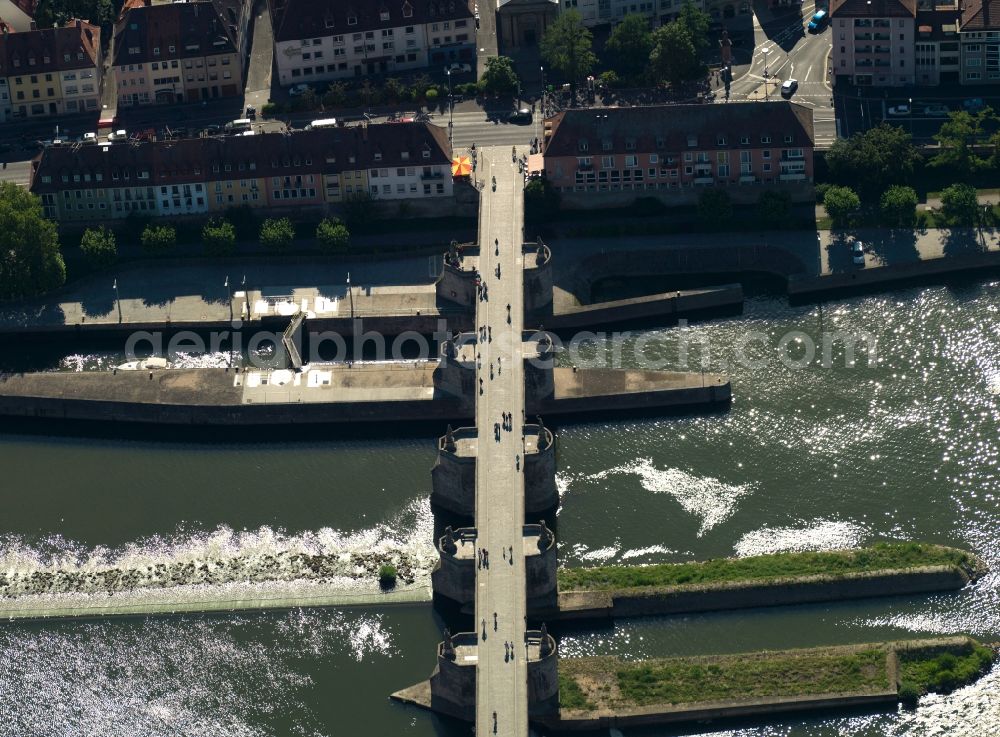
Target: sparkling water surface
{"points": [[902, 447]]}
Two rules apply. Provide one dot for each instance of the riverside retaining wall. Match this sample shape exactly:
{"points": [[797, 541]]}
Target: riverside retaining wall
{"points": [[741, 595]]}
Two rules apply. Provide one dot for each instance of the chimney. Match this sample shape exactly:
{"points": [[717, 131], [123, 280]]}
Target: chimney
{"points": [[79, 24]]}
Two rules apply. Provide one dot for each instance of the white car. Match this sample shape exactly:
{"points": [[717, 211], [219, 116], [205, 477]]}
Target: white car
{"points": [[298, 90], [89, 138], [858, 252], [458, 67], [899, 110], [119, 135], [788, 87]]}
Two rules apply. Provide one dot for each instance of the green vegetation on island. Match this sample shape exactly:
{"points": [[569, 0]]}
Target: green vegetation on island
{"points": [[609, 683], [941, 670], [878, 557]]}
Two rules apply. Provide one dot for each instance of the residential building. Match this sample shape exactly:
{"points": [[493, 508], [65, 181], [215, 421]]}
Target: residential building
{"points": [[319, 40], [669, 151], [874, 41], [937, 56], [52, 71], [5, 108], [279, 172], [18, 14], [979, 36], [605, 12], [166, 52]]}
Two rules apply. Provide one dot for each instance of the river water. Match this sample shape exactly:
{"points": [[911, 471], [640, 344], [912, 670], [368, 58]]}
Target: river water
{"points": [[902, 446]]}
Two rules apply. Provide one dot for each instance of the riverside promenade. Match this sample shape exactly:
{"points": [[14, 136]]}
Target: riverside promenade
{"points": [[501, 597]]}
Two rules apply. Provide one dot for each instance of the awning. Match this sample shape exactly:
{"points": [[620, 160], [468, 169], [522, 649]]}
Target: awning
{"points": [[461, 166]]}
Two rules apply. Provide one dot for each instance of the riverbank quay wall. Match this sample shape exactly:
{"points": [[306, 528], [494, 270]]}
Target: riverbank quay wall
{"points": [[641, 602], [362, 394]]}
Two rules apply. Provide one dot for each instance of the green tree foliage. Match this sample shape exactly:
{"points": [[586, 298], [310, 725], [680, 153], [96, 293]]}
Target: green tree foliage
{"points": [[219, 237], [336, 94], [30, 261], [99, 247], [841, 204], [629, 46], [773, 207], [697, 22], [872, 161], [158, 238], [52, 12], [567, 47], [899, 206], [499, 77], [960, 204], [277, 234], [715, 207], [332, 235], [958, 137], [675, 58], [540, 199]]}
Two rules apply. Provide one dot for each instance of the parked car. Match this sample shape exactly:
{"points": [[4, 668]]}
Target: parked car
{"points": [[118, 135], [89, 138], [213, 130], [899, 110], [788, 87], [520, 116], [937, 110], [973, 104], [298, 90], [857, 252], [458, 67]]}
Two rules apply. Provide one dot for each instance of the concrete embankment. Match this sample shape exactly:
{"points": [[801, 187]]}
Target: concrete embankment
{"points": [[863, 676], [648, 601], [341, 394], [570, 314]]}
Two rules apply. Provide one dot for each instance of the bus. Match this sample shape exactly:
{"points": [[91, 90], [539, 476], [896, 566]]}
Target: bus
{"points": [[818, 21], [324, 123]]}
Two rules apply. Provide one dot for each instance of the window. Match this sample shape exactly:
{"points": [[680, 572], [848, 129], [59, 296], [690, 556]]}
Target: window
{"points": [[654, 159], [352, 20], [765, 139], [582, 145], [631, 161], [383, 15], [720, 140]]}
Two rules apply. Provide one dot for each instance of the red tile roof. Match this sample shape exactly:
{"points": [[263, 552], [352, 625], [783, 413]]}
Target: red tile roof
{"points": [[873, 8], [76, 45], [327, 150], [198, 28], [981, 15], [668, 127]]}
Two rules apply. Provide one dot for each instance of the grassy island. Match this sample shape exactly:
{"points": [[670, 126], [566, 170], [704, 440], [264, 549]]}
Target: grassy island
{"points": [[878, 557], [671, 684]]}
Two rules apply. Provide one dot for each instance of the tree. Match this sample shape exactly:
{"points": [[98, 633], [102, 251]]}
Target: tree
{"points": [[158, 238], [277, 234], [30, 261], [99, 247], [958, 137], [499, 77], [960, 204], [567, 47], [899, 206], [773, 206], [674, 57], [332, 235], [540, 199], [715, 207], [336, 94], [697, 22], [629, 46], [872, 161], [841, 204], [219, 237]]}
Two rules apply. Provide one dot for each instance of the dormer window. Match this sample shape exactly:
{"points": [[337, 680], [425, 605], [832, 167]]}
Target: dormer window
{"points": [[745, 140], [427, 153], [630, 144], [692, 139], [350, 159], [46, 59], [65, 57], [352, 20], [720, 140], [788, 139], [407, 10], [765, 139], [607, 144], [171, 49], [378, 156], [383, 15], [156, 51], [660, 142], [328, 22], [404, 155], [583, 145]]}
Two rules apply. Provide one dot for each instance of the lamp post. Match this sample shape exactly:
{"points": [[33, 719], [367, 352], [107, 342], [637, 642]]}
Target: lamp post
{"points": [[350, 293], [118, 299], [229, 295], [767, 91], [451, 108], [543, 90]]}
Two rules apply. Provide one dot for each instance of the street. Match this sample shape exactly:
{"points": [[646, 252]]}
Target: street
{"points": [[784, 49]]}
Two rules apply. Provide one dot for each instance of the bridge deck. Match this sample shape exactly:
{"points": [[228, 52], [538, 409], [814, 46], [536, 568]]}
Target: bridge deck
{"points": [[501, 683]]}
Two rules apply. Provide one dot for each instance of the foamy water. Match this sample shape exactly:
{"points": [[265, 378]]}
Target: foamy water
{"points": [[821, 534], [223, 565]]}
